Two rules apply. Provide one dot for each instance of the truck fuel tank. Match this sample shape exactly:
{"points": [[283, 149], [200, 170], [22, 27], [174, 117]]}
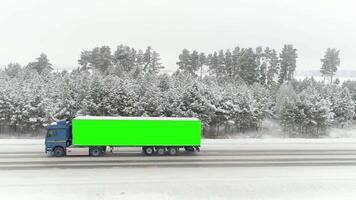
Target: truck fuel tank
{"points": [[77, 151]]}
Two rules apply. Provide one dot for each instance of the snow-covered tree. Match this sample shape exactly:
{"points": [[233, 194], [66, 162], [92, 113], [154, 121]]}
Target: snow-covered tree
{"points": [[343, 108], [151, 61], [41, 64], [99, 59], [12, 69]]}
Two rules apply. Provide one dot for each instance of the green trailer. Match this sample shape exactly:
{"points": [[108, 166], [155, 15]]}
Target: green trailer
{"points": [[155, 135]]}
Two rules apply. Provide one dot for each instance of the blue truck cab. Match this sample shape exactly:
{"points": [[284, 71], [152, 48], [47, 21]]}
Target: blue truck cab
{"points": [[58, 137]]}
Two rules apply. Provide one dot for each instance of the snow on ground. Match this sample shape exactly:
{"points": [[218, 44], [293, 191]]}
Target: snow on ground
{"points": [[280, 143], [292, 183], [252, 183], [343, 133]]}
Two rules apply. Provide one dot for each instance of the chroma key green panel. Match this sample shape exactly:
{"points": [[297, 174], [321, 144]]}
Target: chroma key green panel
{"points": [[135, 131]]}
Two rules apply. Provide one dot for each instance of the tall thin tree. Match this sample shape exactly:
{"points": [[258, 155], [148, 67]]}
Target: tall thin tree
{"points": [[330, 62]]}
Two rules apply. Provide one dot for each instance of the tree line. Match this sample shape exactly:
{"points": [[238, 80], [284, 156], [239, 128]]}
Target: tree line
{"points": [[230, 91], [258, 65]]}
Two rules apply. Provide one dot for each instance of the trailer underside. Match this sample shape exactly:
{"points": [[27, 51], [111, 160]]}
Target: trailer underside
{"points": [[148, 150]]}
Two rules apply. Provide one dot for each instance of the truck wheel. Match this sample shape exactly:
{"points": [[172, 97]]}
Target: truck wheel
{"points": [[161, 151], [58, 152], [148, 150], [172, 151], [95, 151]]}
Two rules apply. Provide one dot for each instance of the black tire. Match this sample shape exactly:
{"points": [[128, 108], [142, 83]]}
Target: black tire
{"points": [[95, 151], [148, 151], [172, 151], [160, 151], [59, 152]]}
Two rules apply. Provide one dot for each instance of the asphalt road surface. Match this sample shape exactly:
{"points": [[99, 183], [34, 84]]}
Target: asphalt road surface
{"points": [[224, 169]]}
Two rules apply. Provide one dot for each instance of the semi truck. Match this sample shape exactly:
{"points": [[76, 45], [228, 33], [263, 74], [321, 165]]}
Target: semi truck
{"points": [[154, 135]]}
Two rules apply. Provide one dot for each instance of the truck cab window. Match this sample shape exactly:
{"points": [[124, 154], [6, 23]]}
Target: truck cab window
{"points": [[51, 133]]}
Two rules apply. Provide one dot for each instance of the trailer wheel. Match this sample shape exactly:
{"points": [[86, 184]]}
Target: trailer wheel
{"points": [[172, 151], [58, 152], [148, 150], [161, 151], [95, 151]]}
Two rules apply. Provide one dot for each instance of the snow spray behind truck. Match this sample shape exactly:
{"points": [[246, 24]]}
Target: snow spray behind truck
{"points": [[155, 135]]}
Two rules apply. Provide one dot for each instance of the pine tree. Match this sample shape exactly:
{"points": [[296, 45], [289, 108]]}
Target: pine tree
{"points": [[99, 59], [188, 62], [272, 66], [41, 64], [288, 58], [330, 62], [235, 62], [229, 64], [248, 66], [214, 65], [124, 58], [202, 62], [147, 57], [151, 60], [191, 62]]}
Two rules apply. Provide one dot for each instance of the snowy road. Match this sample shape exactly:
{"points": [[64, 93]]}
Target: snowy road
{"points": [[224, 169]]}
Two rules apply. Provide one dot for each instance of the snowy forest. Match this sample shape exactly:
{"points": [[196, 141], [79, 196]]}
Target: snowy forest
{"points": [[231, 91]]}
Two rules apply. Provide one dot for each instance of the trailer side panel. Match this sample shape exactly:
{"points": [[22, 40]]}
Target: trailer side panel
{"points": [[136, 132]]}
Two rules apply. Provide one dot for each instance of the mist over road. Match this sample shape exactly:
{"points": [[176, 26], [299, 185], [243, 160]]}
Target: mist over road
{"points": [[245, 168]]}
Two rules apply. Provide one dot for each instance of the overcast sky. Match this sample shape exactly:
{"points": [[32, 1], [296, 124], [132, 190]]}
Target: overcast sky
{"points": [[63, 28]]}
